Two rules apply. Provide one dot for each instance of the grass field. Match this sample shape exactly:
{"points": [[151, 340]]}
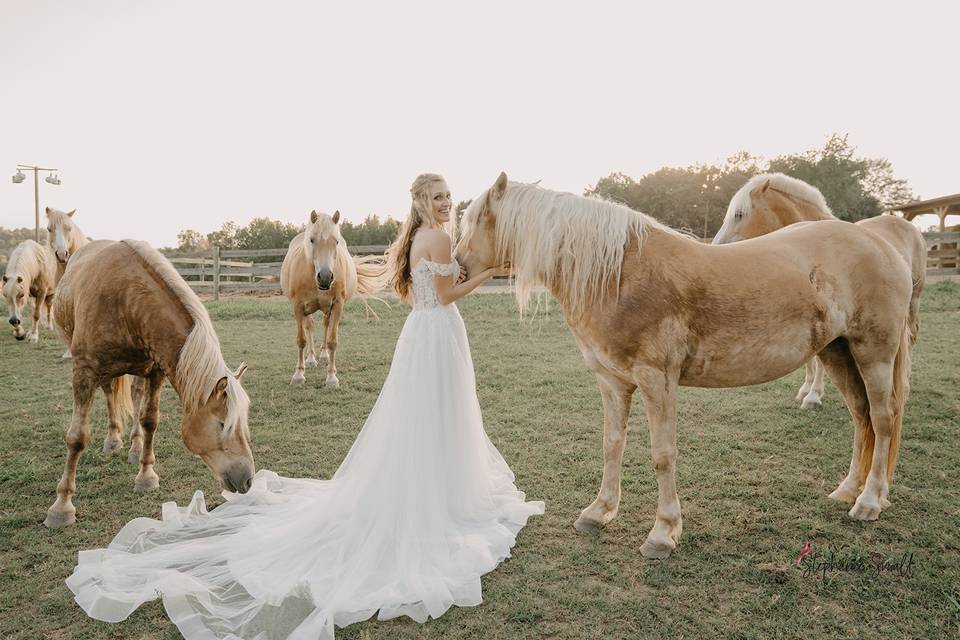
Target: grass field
{"points": [[754, 472]]}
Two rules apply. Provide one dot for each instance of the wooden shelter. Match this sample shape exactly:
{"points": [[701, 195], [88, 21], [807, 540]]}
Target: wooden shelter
{"points": [[941, 207]]}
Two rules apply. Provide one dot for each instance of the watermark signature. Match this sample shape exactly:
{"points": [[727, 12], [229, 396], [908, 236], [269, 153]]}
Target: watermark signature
{"points": [[817, 562]]}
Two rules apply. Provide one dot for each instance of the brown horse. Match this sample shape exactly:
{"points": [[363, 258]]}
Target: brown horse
{"points": [[772, 201], [652, 309], [31, 273], [319, 274], [123, 309]]}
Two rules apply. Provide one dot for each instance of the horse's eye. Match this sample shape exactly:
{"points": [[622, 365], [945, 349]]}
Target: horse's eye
{"points": [[221, 425], [311, 241]]}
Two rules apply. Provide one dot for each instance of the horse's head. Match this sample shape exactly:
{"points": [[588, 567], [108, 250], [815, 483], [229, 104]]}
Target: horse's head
{"points": [[477, 249], [60, 234], [749, 215], [321, 241], [15, 295], [217, 431]]}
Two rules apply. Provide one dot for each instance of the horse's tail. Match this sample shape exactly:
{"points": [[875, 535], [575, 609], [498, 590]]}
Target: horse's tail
{"points": [[901, 389], [121, 389], [371, 274]]}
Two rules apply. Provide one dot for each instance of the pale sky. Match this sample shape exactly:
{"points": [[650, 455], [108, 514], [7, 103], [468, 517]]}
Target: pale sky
{"points": [[170, 115]]}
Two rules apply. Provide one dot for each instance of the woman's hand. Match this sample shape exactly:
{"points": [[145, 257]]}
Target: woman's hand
{"points": [[463, 275]]}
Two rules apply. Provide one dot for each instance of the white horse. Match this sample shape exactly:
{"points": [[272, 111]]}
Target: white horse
{"points": [[30, 273], [64, 238]]}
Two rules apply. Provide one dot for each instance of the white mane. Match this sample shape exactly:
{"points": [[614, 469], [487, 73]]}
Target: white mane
{"points": [[200, 365], [28, 259], [573, 244], [742, 201]]}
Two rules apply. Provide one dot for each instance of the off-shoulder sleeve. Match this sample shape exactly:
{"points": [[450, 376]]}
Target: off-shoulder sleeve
{"points": [[438, 269]]}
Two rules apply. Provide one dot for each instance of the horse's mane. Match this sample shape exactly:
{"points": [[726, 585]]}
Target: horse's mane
{"points": [[572, 244], [742, 201], [200, 365]]}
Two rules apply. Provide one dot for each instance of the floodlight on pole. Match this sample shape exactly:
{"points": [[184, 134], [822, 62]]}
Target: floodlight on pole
{"points": [[52, 178]]}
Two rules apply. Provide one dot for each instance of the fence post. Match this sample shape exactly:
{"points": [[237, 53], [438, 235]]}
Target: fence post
{"points": [[216, 272]]}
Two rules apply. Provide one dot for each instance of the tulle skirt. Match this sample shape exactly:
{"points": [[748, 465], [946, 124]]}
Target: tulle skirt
{"points": [[421, 507]]}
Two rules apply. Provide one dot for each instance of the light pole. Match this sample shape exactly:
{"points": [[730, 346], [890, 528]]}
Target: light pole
{"points": [[53, 179]]}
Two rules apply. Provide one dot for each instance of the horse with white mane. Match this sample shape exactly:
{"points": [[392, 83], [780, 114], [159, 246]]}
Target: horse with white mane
{"points": [[319, 274], [30, 273], [124, 311], [652, 309], [772, 201]]}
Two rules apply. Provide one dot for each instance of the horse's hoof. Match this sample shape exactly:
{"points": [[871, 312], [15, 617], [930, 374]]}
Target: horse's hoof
{"points": [[298, 379], [333, 383], [33, 337], [20, 338], [863, 510], [587, 526], [840, 494], [811, 404], [149, 483], [653, 550], [884, 503], [134, 456], [109, 446], [66, 355], [325, 355], [801, 395], [311, 361], [60, 519]]}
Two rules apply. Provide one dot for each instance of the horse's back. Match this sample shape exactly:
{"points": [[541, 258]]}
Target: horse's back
{"points": [[904, 237]]}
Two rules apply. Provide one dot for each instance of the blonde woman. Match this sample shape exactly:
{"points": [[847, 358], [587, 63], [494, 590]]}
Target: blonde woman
{"points": [[420, 508]]}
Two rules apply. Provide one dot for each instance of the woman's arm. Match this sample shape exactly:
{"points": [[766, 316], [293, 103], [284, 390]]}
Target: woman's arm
{"points": [[448, 290]]}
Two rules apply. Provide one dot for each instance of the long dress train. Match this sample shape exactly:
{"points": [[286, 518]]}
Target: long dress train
{"points": [[420, 508]]}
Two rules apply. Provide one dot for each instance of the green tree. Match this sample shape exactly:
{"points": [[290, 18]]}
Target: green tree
{"points": [[264, 233], [190, 240], [226, 237]]}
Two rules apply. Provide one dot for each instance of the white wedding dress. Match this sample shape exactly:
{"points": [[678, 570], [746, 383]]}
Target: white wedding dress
{"points": [[420, 508]]}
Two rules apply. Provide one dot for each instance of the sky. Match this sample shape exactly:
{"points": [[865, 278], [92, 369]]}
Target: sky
{"points": [[163, 116]]}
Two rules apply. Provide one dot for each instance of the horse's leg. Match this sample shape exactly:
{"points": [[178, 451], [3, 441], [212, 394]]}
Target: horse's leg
{"points": [[616, 409], [839, 363], [48, 306], [147, 478], [34, 334], [137, 391], [324, 354], [336, 311], [814, 399], [659, 391], [309, 326], [809, 369], [62, 512], [114, 439], [298, 373]]}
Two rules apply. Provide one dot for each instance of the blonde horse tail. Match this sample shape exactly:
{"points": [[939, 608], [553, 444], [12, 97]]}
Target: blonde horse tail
{"points": [[901, 389], [121, 388]]}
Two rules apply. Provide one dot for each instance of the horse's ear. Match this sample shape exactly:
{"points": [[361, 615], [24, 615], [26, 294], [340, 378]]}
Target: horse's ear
{"points": [[70, 213], [313, 217], [221, 389], [48, 210], [336, 217], [240, 370], [766, 185], [500, 186]]}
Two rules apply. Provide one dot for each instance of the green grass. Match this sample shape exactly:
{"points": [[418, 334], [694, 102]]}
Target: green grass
{"points": [[754, 472]]}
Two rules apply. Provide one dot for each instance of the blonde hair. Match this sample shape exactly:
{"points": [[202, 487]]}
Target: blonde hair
{"points": [[421, 213]]}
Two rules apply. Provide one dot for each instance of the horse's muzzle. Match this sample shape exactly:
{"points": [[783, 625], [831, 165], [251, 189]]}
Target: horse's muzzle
{"points": [[15, 321], [324, 281], [237, 478]]}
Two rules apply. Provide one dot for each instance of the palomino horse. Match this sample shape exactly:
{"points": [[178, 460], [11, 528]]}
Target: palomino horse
{"points": [[30, 273], [319, 274], [64, 238], [771, 201], [652, 309], [123, 309]]}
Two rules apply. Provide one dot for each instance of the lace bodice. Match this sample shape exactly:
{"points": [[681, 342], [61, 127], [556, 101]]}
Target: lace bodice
{"points": [[424, 293]]}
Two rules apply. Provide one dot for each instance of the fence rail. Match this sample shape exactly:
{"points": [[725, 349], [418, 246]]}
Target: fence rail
{"points": [[215, 269]]}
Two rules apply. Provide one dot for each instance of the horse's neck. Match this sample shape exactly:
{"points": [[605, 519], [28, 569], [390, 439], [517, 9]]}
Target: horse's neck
{"points": [[794, 209], [164, 330], [77, 239]]}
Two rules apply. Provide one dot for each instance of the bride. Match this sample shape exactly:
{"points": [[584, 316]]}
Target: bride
{"points": [[420, 508]]}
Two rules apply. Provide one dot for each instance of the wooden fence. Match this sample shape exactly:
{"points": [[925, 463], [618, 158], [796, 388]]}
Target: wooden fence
{"points": [[216, 270]]}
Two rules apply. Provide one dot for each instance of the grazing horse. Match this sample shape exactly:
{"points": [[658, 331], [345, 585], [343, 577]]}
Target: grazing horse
{"points": [[653, 309], [771, 201], [319, 274], [30, 273], [123, 309]]}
